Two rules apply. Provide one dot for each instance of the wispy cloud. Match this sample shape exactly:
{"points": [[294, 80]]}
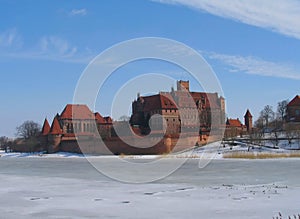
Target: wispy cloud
{"points": [[47, 48], [255, 66], [57, 46], [10, 39], [80, 12], [281, 16]]}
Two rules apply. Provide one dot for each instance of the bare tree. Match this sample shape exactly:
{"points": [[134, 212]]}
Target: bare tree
{"points": [[289, 133], [28, 129], [267, 114], [274, 137], [3, 141], [281, 109], [259, 123], [124, 118]]}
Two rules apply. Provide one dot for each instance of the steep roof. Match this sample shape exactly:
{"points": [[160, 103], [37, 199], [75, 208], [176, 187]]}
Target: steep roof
{"points": [[77, 111], [234, 123], [55, 127], [108, 119], [102, 120], [248, 114], [99, 118], [295, 101], [46, 128]]}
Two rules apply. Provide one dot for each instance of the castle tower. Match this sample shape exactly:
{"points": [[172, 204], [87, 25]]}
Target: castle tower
{"points": [[54, 137], [222, 104], [44, 134], [46, 128], [248, 120], [183, 85]]}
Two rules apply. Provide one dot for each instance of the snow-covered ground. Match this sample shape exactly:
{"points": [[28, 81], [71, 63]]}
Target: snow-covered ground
{"points": [[69, 187], [214, 150]]}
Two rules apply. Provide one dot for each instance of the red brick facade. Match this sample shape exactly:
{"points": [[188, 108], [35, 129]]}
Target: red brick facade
{"points": [[166, 106], [293, 110]]}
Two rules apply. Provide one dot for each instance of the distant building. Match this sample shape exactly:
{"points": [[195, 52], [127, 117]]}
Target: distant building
{"points": [[235, 127], [248, 120], [293, 110], [75, 118], [166, 105], [170, 111]]}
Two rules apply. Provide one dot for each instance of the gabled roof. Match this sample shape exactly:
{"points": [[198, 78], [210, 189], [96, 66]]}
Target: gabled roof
{"points": [[234, 123], [164, 100], [295, 101], [46, 128], [248, 114], [77, 111], [108, 119], [55, 127], [102, 120], [99, 118]]}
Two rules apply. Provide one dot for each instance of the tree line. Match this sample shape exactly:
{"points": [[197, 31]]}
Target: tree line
{"points": [[28, 131]]}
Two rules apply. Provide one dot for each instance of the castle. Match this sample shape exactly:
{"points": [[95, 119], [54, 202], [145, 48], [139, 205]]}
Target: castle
{"points": [[166, 113], [75, 118], [178, 110]]}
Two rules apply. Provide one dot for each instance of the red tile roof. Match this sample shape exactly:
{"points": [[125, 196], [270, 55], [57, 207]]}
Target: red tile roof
{"points": [[99, 118], [46, 128], [248, 114], [164, 100], [295, 101], [77, 111], [234, 122], [55, 127], [102, 120], [158, 101]]}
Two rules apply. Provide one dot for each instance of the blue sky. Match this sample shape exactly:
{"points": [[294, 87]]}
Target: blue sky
{"points": [[253, 47]]}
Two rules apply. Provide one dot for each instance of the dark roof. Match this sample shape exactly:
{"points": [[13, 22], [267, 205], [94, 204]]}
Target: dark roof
{"points": [[46, 128], [295, 101], [248, 114], [77, 111], [108, 119], [55, 127], [158, 101]]}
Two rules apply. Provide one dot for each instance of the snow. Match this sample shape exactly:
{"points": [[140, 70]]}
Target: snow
{"points": [[66, 185], [69, 187]]}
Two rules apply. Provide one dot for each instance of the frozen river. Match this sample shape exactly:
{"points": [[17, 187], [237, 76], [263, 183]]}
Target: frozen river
{"points": [[72, 188]]}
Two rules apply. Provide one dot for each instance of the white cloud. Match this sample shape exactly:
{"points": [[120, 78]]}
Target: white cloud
{"points": [[81, 12], [47, 48], [255, 66], [281, 16], [57, 46], [10, 38]]}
